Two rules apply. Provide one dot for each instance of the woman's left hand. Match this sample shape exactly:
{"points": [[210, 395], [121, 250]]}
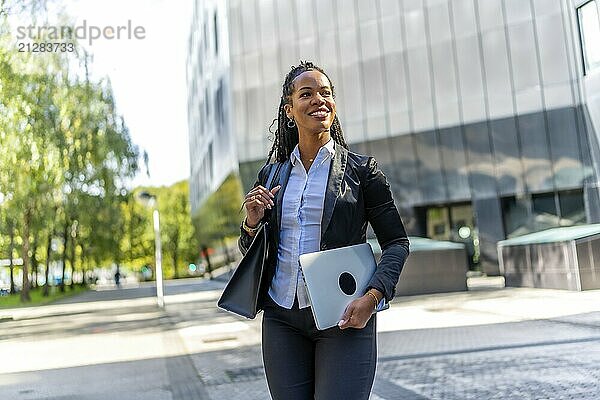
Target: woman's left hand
{"points": [[357, 313]]}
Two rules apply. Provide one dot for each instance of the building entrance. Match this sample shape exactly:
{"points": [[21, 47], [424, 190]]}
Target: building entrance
{"points": [[454, 222]]}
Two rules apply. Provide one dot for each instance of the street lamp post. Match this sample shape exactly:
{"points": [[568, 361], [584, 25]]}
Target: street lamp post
{"points": [[151, 200], [158, 255]]}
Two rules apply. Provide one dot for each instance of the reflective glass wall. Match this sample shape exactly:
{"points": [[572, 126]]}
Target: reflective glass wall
{"points": [[465, 103]]}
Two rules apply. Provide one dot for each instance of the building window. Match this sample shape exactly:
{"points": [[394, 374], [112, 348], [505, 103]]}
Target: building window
{"points": [[220, 106], [202, 118], [205, 35], [544, 208], [525, 214], [515, 215], [438, 223], [216, 28], [589, 34], [572, 207], [210, 163]]}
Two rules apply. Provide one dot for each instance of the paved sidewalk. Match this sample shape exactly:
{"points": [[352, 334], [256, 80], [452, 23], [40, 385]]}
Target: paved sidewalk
{"points": [[512, 343], [489, 343]]}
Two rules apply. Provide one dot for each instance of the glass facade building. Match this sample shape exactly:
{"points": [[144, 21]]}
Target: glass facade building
{"points": [[212, 146], [482, 113]]}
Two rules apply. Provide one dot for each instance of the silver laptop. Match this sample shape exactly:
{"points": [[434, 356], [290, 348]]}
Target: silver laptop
{"points": [[334, 278]]}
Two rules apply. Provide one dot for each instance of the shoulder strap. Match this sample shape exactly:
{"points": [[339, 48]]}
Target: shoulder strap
{"points": [[273, 176]]}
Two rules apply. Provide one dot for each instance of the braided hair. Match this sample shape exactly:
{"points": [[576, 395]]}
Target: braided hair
{"points": [[286, 138]]}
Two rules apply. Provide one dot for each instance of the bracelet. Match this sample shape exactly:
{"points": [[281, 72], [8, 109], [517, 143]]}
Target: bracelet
{"points": [[248, 229], [374, 299]]}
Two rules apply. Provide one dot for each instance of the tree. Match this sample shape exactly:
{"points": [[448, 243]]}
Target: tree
{"points": [[26, 99], [177, 231], [219, 217], [62, 145], [137, 244]]}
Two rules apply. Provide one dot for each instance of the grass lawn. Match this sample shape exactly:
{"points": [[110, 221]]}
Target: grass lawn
{"points": [[37, 298]]}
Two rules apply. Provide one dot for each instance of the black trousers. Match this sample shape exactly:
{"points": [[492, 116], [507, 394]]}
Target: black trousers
{"points": [[303, 363]]}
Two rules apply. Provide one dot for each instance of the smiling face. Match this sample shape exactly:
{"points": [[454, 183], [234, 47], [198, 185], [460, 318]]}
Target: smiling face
{"points": [[311, 104]]}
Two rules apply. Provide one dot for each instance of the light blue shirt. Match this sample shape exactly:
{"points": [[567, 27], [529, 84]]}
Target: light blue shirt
{"points": [[300, 230]]}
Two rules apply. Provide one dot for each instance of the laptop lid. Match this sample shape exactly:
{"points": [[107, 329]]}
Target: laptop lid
{"points": [[334, 278]]}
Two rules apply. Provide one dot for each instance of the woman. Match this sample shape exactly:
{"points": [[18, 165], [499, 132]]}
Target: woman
{"points": [[325, 198]]}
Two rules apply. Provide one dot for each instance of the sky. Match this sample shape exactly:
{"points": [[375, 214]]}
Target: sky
{"points": [[147, 76]]}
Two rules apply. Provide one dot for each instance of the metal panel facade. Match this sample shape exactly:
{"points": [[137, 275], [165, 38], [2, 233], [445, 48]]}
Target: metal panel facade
{"points": [[460, 101]]}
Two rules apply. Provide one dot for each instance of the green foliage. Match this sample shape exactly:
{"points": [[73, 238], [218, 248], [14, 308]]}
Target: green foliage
{"points": [[179, 244], [220, 215], [137, 242], [65, 154], [178, 236]]}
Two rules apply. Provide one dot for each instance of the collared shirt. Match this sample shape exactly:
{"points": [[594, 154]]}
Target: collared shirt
{"points": [[300, 230]]}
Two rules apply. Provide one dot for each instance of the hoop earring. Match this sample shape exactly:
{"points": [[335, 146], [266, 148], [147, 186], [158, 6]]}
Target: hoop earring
{"points": [[291, 123]]}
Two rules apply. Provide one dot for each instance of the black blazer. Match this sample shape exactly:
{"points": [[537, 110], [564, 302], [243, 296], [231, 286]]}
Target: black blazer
{"points": [[357, 193]]}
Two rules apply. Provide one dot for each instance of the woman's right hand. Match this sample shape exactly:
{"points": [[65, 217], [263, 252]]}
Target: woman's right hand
{"points": [[257, 200]]}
